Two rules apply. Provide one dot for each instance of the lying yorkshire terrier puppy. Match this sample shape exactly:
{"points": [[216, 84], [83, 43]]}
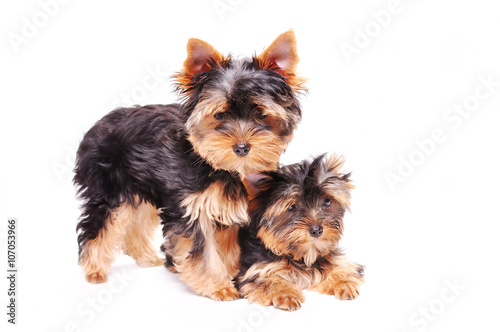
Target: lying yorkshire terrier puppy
{"points": [[292, 241]]}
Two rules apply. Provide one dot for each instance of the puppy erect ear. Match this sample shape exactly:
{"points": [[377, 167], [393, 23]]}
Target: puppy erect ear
{"points": [[336, 182], [199, 53], [282, 52], [334, 163], [255, 184]]}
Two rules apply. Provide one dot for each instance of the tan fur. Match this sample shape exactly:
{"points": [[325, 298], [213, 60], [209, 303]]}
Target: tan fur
{"points": [[341, 193], [272, 241], [283, 52], [127, 228], [277, 111], [139, 236], [217, 148], [280, 206], [198, 52], [228, 249], [211, 204], [209, 104], [207, 274], [178, 246], [271, 288], [280, 283], [343, 281]]}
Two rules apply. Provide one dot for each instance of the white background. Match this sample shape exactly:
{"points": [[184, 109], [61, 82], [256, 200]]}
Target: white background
{"points": [[437, 226]]}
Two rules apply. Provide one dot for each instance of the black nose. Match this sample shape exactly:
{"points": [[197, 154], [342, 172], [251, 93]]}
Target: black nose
{"points": [[241, 149], [316, 230]]}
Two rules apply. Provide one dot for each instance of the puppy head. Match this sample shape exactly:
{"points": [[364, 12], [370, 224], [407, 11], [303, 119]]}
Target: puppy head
{"points": [[241, 113], [301, 208]]}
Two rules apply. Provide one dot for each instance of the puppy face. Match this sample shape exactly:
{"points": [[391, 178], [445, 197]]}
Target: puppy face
{"points": [[301, 208], [241, 113]]}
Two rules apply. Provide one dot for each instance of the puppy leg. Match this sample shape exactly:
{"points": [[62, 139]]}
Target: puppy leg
{"points": [[264, 284], [204, 271], [343, 281], [229, 249], [139, 236], [98, 254], [213, 260], [208, 275]]}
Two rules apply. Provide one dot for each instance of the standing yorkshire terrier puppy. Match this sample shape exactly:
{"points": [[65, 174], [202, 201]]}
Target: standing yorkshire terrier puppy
{"points": [[185, 164], [292, 241]]}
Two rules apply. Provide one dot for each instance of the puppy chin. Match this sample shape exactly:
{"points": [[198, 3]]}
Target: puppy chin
{"points": [[318, 249], [311, 256], [245, 166]]}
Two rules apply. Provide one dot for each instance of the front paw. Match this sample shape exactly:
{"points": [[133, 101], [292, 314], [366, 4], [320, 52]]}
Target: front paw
{"points": [[225, 294], [348, 290], [287, 302], [96, 277], [289, 299]]}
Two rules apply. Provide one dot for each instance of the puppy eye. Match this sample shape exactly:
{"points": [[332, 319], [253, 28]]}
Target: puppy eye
{"points": [[260, 115], [328, 201], [291, 208], [220, 116]]}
